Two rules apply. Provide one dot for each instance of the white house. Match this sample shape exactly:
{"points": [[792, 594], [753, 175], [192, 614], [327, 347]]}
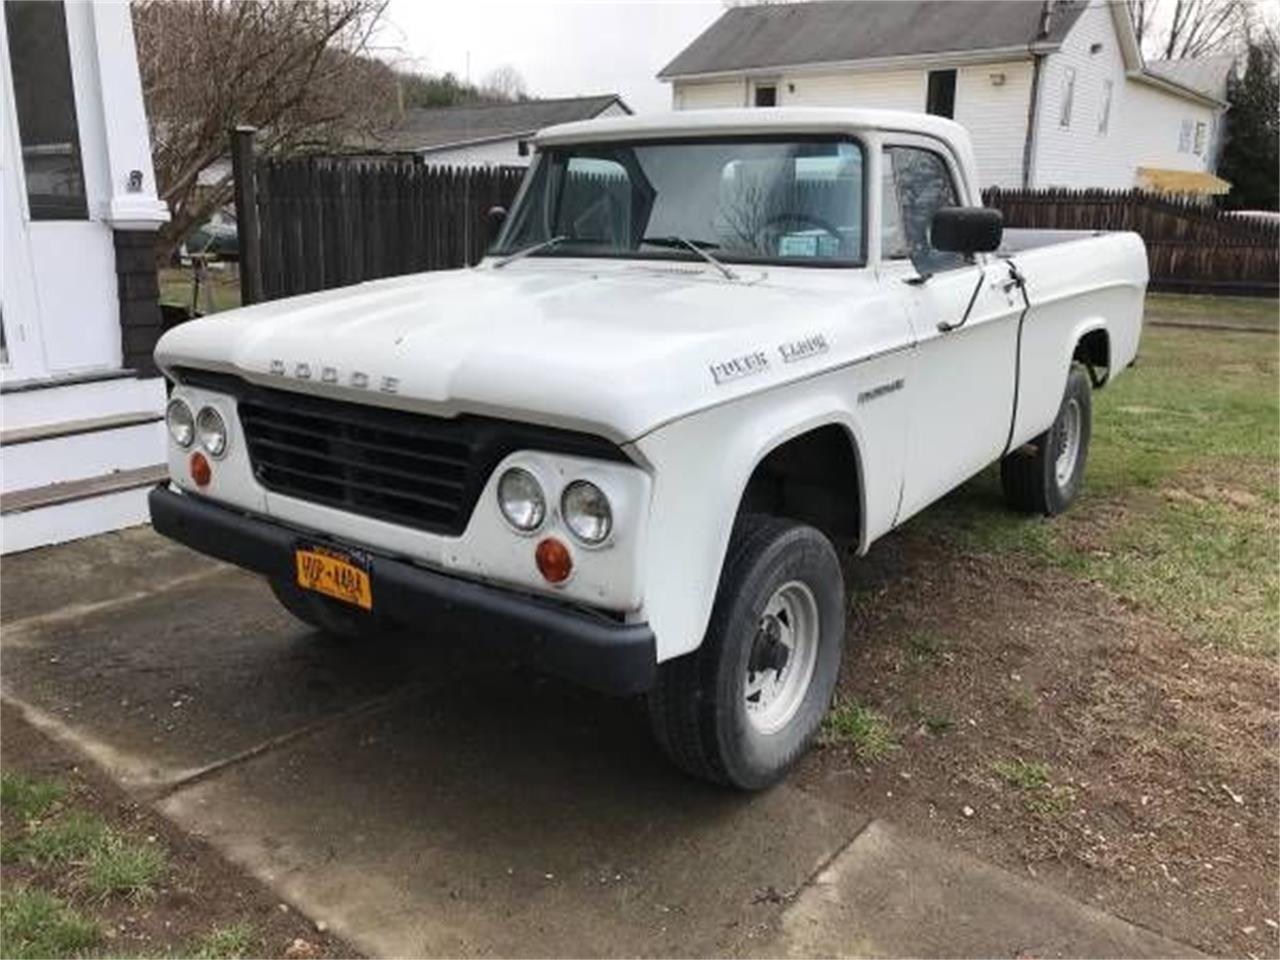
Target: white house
{"points": [[1053, 94], [488, 134], [81, 405]]}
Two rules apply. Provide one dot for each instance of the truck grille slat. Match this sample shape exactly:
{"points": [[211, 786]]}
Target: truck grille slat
{"points": [[407, 468], [282, 452], [352, 490]]}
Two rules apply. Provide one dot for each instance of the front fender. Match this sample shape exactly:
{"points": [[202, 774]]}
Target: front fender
{"points": [[701, 465]]}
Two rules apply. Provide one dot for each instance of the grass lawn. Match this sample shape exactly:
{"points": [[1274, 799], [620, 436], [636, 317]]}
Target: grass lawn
{"points": [[1091, 699], [88, 872], [1251, 313], [176, 284], [1180, 511]]}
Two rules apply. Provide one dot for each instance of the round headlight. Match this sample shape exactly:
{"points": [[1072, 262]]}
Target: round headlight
{"points": [[212, 430], [586, 511], [182, 425], [521, 500]]}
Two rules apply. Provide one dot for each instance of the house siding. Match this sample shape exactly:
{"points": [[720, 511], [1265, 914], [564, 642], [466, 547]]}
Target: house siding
{"points": [[1155, 119], [709, 96], [1143, 128], [996, 116], [1144, 123]]}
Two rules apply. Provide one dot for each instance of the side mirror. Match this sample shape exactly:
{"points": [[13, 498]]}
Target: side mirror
{"points": [[966, 230], [496, 217]]}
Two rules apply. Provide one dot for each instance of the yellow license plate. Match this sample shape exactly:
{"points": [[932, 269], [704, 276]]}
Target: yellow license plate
{"points": [[335, 574]]}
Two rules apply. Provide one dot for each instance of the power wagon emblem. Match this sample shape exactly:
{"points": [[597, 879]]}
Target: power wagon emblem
{"points": [[735, 368]]}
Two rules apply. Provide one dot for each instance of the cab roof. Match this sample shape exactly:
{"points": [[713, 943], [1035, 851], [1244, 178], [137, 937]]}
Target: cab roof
{"points": [[761, 120], [764, 121]]}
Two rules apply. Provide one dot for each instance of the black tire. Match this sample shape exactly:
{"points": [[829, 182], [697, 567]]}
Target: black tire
{"points": [[697, 706], [1029, 475], [329, 616]]}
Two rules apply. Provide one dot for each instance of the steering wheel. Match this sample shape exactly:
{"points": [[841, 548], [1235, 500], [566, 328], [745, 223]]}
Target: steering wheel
{"points": [[800, 217]]}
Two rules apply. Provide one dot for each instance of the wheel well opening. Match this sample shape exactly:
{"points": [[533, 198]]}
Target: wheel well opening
{"points": [[1094, 351], [812, 478]]}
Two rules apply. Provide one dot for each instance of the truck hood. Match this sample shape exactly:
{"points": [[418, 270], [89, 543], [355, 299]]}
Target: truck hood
{"points": [[613, 348]]}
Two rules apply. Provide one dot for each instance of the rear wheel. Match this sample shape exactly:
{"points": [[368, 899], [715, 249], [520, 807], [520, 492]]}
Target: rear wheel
{"points": [[744, 706], [1045, 475], [327, 615]]}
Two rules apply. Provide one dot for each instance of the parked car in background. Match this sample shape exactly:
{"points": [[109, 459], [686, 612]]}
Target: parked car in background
{"points": [[217, 236], [707, 351]]}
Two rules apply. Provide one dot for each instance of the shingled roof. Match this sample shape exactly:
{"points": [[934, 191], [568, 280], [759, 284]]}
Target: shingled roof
{"points": [[840, 31], [1207, 75], [422, 130]]}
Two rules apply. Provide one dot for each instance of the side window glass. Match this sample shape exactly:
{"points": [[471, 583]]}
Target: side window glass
{"points": [[595, 202], [893, 236], [923, 184]]}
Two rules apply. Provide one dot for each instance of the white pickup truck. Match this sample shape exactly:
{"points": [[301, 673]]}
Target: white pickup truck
{"points": [[705, 349]]}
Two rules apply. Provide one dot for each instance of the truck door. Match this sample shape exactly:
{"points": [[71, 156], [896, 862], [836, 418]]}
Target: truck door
{"points": [[964, 317]]}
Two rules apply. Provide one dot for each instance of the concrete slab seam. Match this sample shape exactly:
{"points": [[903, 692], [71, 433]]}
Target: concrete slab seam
{"points": [[14, 633]]}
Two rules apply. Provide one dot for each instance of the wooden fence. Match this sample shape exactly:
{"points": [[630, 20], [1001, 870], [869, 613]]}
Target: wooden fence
{"points": [[329, 222], [1191, 248]]}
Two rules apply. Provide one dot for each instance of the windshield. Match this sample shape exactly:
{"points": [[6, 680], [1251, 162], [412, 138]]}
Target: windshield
{"points": [[743, 200]]}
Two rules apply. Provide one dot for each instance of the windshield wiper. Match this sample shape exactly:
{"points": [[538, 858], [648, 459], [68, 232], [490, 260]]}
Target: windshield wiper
{"points": [[697, 246], [532, 248]]}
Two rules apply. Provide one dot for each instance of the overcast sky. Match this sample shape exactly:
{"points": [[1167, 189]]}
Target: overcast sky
{"points": [[562, 48]]}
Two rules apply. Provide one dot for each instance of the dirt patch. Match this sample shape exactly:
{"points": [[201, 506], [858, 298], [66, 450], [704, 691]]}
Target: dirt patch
{"points": [[200, 893], [1046, 726]]}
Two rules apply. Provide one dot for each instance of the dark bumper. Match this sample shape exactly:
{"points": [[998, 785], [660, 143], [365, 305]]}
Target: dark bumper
{"points": [[593, 651]]}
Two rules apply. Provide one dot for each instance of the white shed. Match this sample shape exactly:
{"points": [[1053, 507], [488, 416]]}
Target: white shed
{"points": [[488, 134]]}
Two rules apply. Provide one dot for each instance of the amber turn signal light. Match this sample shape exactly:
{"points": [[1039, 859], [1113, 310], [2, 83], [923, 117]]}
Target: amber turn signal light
{"points": [[201, 472], [554, 562]]}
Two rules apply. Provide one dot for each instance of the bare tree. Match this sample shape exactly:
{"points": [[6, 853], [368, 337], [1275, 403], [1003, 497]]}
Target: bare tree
{"points": [[295, 70], [1142, 13], [1184, 29], [504, 83], [1202, 27]]}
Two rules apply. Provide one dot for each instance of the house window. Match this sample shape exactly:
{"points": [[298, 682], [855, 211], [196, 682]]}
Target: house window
{"points": [[1104, 115], [43, 92], [766, 95], [1068, 96], [1201, 131], [1184, 137], [941, 99]]}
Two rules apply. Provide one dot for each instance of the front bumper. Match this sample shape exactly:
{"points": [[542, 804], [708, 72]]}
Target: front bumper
{"points": [[593, 651]]}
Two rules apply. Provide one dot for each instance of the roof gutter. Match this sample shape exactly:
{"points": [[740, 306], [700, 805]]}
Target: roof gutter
{"points": [[939, 58], [1033, 121], [1172, 86], [475, 142]]}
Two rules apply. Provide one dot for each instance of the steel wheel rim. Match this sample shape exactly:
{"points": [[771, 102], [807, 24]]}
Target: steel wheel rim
{"points": [[773, 693], [1068, 442]]}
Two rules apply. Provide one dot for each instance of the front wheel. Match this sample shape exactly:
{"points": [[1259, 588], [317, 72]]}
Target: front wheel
{"points": [[1045, 475], [743, 707]]}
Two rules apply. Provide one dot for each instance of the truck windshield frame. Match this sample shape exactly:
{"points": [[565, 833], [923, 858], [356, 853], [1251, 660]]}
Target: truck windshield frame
{"points": [[777, 199]]}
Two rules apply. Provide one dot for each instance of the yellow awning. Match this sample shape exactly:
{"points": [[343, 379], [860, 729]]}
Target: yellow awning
{"points": [[1180, 181]]}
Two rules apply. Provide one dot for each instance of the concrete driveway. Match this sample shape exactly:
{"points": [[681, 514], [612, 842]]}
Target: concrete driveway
{"points": [[421, 800]]}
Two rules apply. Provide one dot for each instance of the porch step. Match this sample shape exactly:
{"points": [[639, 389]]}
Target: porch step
{"points": [[79, 450], [72, 428], [62, 402], [54, 494], [74, 519]]}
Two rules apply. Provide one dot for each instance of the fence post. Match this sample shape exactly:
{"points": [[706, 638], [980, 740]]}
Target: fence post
{"points": [[249, 236]]}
